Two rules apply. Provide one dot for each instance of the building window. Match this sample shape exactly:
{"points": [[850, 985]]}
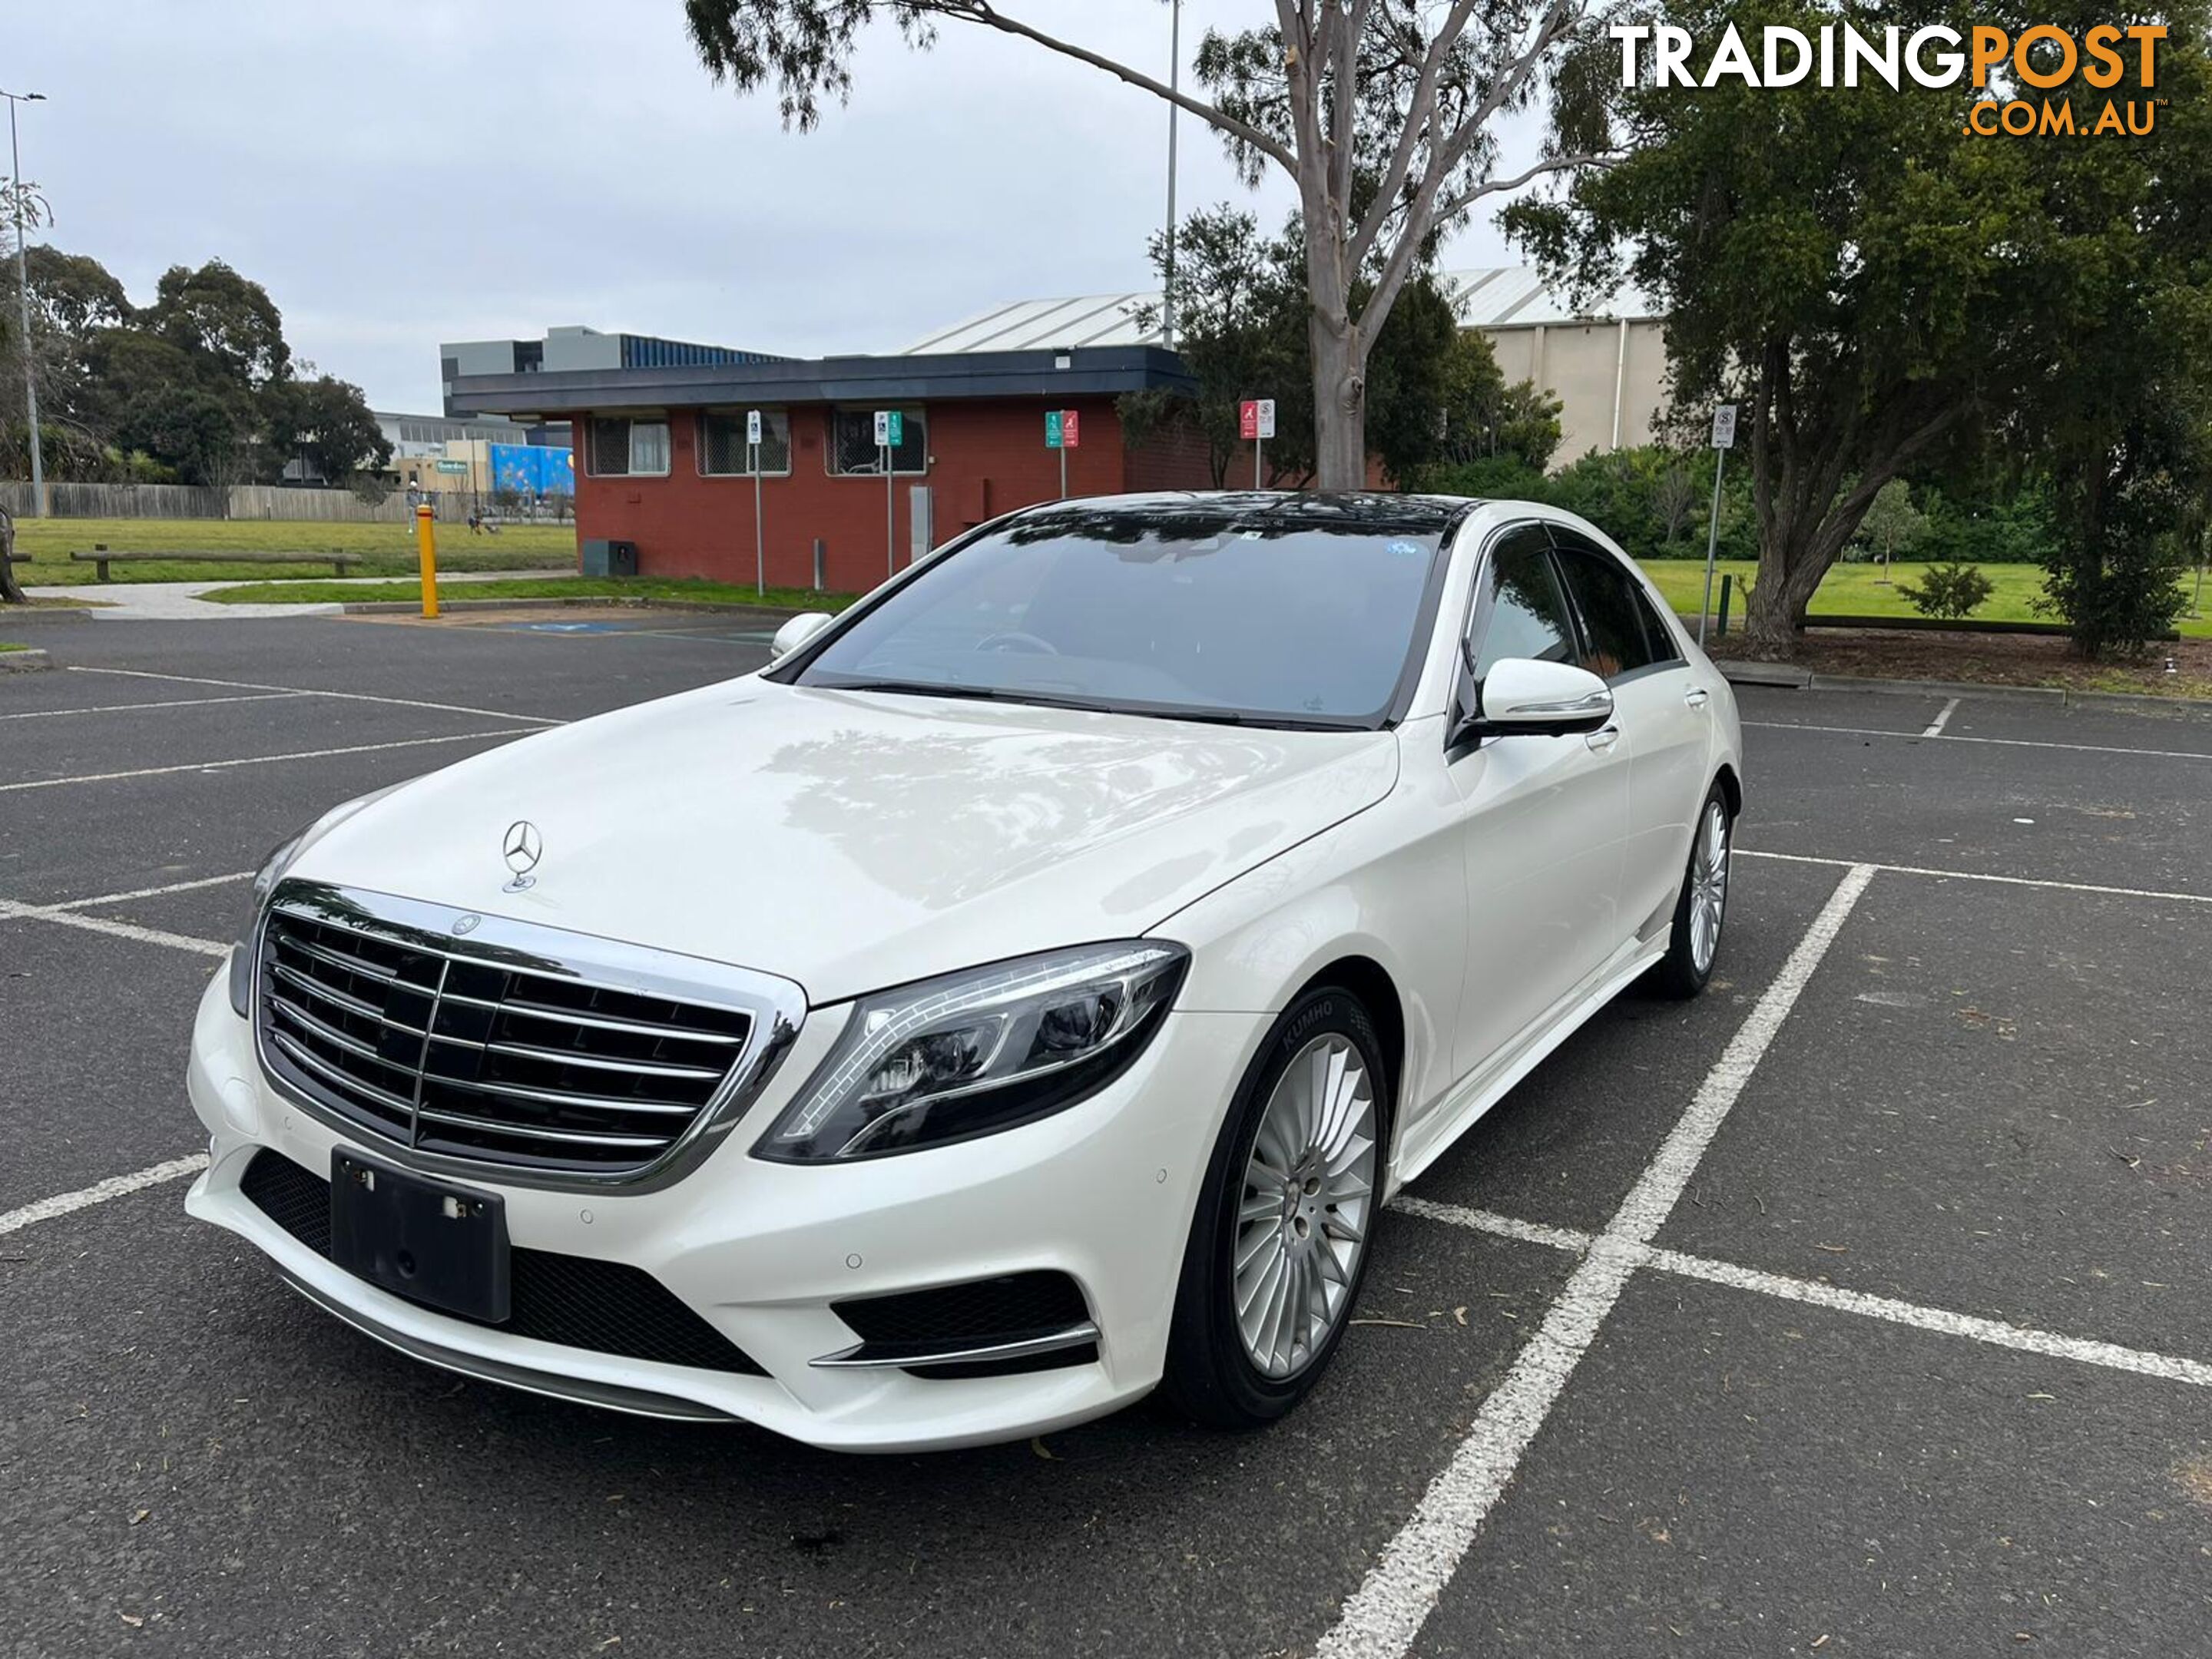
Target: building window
{"points": [[621, 447], [724, 453], [852, 451]]}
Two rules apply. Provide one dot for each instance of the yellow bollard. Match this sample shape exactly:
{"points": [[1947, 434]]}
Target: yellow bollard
{"points": [[426, 543]]}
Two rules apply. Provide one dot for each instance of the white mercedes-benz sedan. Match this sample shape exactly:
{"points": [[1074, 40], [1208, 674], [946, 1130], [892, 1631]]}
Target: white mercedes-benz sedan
{"points": [[1018, 997]]}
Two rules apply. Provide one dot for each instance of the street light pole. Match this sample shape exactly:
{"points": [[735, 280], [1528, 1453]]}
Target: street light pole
{"points": [[1175, 73], [23, 292]]}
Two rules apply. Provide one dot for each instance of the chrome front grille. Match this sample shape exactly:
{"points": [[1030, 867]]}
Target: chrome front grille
{"points": [[478, 1040]]}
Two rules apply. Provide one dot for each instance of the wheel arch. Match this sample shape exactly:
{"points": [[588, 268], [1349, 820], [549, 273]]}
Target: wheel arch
{"points": [[1368, 980], [1731, 789]]}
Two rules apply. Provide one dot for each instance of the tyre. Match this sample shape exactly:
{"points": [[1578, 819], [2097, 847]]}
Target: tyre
{"points": [[1695, 942], [1280, 1242]]}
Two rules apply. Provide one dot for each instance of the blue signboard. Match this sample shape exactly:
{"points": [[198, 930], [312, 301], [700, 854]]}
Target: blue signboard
{"points": [[534, 470]]}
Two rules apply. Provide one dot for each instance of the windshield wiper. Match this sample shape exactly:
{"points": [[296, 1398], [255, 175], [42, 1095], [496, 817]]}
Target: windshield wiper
{"points": [[1267, 722], [1049, 700], [979, 693]]}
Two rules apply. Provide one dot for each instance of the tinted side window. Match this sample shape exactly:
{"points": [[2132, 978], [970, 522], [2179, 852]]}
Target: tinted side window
{"points": [[1528, 617], [1613, 613]]}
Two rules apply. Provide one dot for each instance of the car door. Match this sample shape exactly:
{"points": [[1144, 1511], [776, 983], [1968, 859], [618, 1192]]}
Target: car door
{"points": [[1661, 710], [1542, 819]]}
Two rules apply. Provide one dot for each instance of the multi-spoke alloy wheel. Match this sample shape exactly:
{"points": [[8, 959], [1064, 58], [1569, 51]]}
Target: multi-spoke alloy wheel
{"points": [[1709, 876], [1302, 1222], [1702, 907], [1278, 1240]]}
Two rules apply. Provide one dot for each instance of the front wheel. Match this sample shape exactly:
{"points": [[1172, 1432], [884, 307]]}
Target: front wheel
{"points": [[1695, 942], [1278, 1246]]}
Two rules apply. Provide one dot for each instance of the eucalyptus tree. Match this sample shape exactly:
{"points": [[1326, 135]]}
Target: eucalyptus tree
{"points": [[1385, 114], [1883, 288]]}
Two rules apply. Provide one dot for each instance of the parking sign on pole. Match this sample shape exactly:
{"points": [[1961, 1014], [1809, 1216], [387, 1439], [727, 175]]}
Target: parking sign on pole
{"points": [[760, 539], [1723, 440], [1255, 424], [890, 431]]}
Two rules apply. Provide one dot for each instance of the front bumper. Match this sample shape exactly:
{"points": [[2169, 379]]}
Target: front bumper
{"points": [[1102, 1192]]}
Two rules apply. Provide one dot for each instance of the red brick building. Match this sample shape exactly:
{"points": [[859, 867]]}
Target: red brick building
{"points": [[662, 461]]}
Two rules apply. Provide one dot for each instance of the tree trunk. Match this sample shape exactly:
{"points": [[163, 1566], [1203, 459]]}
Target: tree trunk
{"points": [[1770, 616], [9, 593], [1339, 408], [1791, 567], [1338, 346]]}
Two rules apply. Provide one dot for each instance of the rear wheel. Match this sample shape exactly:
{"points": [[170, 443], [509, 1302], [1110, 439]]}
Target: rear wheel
{"points": [[1695, 942], [1278, 1246]]}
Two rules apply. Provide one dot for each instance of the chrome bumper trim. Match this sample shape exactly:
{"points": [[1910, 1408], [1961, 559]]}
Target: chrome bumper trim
{"points": [[872, 1356]]}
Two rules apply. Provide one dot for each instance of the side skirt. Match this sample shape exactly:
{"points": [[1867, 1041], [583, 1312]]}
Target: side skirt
{"points": [[1477, 1092]]}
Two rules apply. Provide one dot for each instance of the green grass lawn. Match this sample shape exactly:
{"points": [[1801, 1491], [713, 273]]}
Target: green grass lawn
{"points": [[1856, 590], [387, 550], [564, 588], [5, 646]]}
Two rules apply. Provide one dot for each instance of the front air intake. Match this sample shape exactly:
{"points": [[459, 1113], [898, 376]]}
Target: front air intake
{"points": [[574, 1301], [1001, 1327]]}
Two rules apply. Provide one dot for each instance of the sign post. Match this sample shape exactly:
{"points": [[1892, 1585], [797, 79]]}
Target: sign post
{"points": [[1723, 440], [890, 425], [1063, 431], [1255, 424], [760, 539]]}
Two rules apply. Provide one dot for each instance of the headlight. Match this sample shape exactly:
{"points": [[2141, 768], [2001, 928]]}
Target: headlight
{"points": [[264, 883], [971, 1053]]}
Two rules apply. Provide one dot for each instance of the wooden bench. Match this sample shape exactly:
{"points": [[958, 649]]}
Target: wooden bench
{"points": [[102, 558]]}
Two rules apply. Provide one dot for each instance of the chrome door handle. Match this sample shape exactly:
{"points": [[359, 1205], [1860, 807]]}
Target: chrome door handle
{"points": [[1602, 741], [1695, 697]]}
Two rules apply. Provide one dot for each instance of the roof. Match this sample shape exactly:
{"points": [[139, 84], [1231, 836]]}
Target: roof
{"points": [[1023, 324], [878, 380], [1511, 297], [1489, 296]]}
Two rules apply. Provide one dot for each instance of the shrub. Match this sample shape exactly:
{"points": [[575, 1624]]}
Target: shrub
{"points": [[1949, 591], [1492, 478]]}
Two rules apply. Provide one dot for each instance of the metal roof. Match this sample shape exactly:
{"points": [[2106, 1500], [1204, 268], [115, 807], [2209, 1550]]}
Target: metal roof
{"points": [[1491, 297], [1507, 296], [1092, 320], [880, 380]]}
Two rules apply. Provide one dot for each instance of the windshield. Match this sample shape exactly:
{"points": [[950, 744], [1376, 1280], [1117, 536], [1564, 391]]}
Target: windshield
{"points": [[1296, 615]]}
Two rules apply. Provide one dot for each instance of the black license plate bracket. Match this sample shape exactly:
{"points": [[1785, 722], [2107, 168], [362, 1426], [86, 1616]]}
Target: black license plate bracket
{"points": [[430, 1242]]}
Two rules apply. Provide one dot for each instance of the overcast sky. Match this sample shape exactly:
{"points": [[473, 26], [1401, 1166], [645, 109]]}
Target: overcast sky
{"points": [[467, 169]]}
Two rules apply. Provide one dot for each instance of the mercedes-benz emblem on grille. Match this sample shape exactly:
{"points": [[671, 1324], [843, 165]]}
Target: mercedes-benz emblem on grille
{"points": [[466, 924], [523, 847]]}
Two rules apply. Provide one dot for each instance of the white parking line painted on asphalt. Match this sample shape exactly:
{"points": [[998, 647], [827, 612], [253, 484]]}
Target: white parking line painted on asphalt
{"points": [[313, 691], [1384, 1615], [1960, 737], [9, 909], [100, 1192], [262, 759], [1977, 875], [1489, 1221], [1995, 1332], [149, 892], [1935, 727], [135, 708]]}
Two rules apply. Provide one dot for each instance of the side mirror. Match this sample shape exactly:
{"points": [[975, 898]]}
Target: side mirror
{"points": [[1537, 699], [796, 632]]}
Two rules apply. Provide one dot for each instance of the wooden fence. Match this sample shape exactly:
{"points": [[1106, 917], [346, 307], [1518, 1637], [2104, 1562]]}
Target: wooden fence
{"points": [[263, 501]]}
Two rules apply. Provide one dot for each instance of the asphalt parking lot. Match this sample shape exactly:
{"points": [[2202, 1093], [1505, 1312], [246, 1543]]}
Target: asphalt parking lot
{"points": [[1857, 1308]]}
